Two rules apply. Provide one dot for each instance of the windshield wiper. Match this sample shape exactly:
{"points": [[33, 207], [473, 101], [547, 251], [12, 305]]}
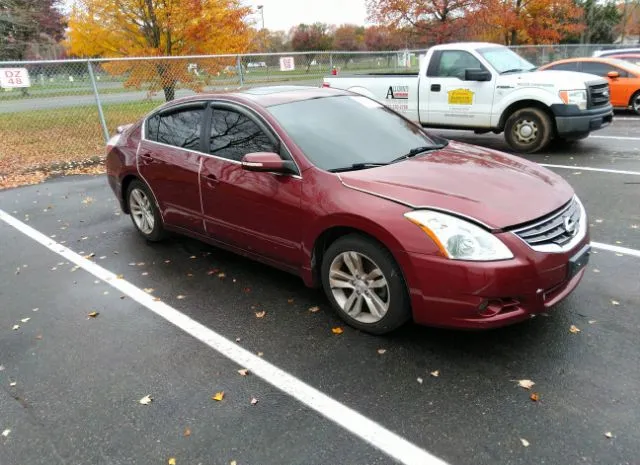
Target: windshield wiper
{"points": [[418, 151], [356, 166]]}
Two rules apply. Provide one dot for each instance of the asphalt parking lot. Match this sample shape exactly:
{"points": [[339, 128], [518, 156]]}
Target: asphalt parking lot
{"points": [[71, 384]]}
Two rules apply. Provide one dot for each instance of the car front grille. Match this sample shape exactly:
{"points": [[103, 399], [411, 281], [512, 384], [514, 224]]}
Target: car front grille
{"points": [[598, 95], [556, 228]]}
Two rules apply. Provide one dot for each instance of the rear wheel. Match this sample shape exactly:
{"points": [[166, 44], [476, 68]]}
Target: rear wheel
{"points": [[365, 285], [635, 102], [528, 130], [144, 213]]}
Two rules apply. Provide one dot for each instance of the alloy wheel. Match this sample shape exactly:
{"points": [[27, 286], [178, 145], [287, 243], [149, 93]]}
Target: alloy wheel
{"points": [[141, 211]]}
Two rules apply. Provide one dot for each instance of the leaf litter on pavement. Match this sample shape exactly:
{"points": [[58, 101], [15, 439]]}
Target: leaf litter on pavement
{"points": [[146, 400], [525, 383]]}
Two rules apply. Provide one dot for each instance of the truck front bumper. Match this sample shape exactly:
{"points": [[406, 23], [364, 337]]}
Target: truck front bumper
{"points": [[571, 122]]}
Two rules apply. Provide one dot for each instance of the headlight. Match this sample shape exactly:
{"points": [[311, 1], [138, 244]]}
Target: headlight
{"points": [[458, 239], [574, 97]]}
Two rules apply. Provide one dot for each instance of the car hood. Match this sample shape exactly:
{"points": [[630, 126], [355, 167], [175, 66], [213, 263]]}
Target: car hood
{"points": [[494, 188], [550, 78]]}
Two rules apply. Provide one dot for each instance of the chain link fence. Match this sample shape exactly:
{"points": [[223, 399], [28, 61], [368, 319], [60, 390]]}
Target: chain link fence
{"points": [[71, 106]]}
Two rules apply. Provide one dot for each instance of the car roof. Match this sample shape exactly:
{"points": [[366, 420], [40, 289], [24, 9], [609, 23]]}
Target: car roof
{"points": [[267, 96], [608, 60], [615, 51]]}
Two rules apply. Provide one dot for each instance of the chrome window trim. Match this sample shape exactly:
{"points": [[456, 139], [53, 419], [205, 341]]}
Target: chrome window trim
{"points": [[143, 134], [555, 248]]}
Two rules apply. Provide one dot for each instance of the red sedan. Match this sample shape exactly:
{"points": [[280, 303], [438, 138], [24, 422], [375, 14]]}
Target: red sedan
{"points": [[393, 223]]}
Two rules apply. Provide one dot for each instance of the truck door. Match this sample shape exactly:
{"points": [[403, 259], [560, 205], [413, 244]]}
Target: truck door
{"points": [[450, 99]]}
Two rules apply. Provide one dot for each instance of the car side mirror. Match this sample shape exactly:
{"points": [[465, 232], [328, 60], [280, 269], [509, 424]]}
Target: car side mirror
{"points": [[267, 162], [477, 75], [613, 75]]}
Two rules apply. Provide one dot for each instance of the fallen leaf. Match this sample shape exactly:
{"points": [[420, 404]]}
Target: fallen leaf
{"points": [[172, 461], [6, 432], [39, 336], [24, 320], [608, 434], [618, 242], [237, 339], [12, 383], [290, 301], [88, 200], [16, 327], [247, 289], [435, 373], [260, 354], [524, 442], [146, 400], [619, 255], [94, 314], [149, 290], [140, 264], [592, 321], [212, 272], [156, 299], [314, 309], [382, 351], [218, 396], [337, 330], [254, 401], [190, 275], [180, 297], [91, 255], [192, 257], [187, 432], [261, 314], [167, 261], [120, 276], [103, 257], [105, 293], [595, 270], [419, 380], [234, 280], [243, 372], [233, 462], [525, 383], [574, 329], [534, 397], [222, 275], [145, 273], [615, 302], [598, 221]]}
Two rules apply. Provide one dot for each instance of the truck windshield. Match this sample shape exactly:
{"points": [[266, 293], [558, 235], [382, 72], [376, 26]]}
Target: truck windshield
{"points": [[337, 132], [505, 60]]}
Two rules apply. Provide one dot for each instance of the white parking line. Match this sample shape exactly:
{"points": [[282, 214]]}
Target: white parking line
{"points": [[614, 137], [625, 118], [586, 168], [616, 249], [357, 424]]}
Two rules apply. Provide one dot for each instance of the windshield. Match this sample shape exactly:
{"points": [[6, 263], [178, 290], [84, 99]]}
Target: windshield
{"points": [[503, 59], [341, 131]]}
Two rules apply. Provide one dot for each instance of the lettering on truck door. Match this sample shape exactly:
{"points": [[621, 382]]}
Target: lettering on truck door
{"points": [[451, 100]]}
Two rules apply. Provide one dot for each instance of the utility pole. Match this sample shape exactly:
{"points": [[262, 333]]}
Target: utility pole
{"points": [[261, 8]]}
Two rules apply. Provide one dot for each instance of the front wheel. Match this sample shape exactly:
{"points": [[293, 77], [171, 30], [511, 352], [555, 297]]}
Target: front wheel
{"points": [[144, 213], [528, 130], [635, 103], [364, 284]]}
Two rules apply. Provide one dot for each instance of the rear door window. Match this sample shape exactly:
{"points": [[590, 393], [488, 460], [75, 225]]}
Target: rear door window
{"points": [[181, 128]]}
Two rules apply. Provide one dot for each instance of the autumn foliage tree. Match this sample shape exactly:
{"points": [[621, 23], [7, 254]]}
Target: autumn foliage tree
{"points": [[439, 20], [311, 38], [514, 22], [125, 28]]}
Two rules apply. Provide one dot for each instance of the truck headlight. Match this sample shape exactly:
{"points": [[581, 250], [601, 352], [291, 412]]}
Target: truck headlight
{"points": [[574, 97], [459, 239]]}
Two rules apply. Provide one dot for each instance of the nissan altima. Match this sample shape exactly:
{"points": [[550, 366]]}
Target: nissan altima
{"points": [[393, 223]]}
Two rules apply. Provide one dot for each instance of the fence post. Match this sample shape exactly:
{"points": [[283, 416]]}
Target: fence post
{"points": [[239, 65], [330, 62], [103, 123]]}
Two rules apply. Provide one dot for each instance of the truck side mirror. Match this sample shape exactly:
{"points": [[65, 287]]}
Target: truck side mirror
{"points": [[477, 75]]}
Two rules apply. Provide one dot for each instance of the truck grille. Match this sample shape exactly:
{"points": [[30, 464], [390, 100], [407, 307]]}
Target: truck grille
{"points": [[556, 228], [598, 95]]}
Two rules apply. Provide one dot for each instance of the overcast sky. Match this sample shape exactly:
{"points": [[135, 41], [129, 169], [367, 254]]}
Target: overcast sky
{"points": [[283, 14]]}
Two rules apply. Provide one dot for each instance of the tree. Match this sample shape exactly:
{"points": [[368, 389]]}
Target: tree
{"points": [[349, 37], [311, 38], [515, 22], [125, 28], [600, 21], [25, 24], [630, 22], [438, 20], [383, 38]]}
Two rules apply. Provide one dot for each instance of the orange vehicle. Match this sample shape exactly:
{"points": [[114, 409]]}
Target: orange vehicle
{"points": [[623, 77]]}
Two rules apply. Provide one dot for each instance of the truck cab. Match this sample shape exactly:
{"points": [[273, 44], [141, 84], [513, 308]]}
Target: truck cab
{"points": [[487, 87]]}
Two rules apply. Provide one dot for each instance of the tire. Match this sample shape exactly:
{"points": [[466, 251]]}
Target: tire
{"points": [[139, 201], [538, 123], [634, 103], [387, 284]]}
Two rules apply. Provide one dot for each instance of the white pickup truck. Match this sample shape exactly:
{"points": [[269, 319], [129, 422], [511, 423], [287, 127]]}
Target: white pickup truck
{"points": [[487, 87]]}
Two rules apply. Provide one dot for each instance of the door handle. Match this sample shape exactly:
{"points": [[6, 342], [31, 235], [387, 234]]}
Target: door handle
{"points": [[146, 159], [435, 87]]}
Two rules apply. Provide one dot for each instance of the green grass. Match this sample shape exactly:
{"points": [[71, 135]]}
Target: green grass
{"points": [[41, 138]]}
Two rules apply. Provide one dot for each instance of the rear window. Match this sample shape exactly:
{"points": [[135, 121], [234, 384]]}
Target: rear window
{"points": [[339, 131]]}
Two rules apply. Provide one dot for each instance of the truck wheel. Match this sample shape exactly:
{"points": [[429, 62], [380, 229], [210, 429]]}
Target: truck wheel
{"points": [[635, 103], [528, 130]]}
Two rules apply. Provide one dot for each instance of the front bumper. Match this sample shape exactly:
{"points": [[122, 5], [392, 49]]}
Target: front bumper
{"points": [[573, 122], [459, 294]]}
